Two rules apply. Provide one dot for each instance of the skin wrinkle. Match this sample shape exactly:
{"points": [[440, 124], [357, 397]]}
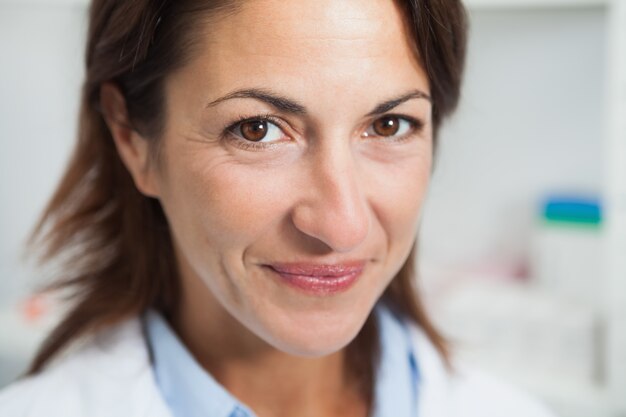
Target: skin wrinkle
{"points": [[324, 195]]}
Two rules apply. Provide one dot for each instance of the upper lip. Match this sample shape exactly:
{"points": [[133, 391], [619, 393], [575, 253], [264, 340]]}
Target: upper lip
{"points": [[319, 269]]}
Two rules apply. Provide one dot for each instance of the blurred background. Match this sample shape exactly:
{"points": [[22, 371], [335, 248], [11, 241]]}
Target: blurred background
{"points": [[522, 253]]}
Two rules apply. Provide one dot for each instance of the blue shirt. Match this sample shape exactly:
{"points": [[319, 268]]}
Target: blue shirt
{"points": [[190, 391]]}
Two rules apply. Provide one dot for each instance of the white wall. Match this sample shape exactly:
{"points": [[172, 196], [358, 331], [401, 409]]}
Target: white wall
{"points": [[531, 122], [40, 79]]}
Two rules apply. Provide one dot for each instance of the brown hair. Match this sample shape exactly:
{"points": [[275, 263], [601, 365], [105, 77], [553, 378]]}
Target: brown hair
{"points": [[113, 242]]}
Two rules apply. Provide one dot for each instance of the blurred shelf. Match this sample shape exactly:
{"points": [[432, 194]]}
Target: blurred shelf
{"points": [[469, 3], [566, 397], [534, 3], [44, 3], [19, 341], [20, 337]]}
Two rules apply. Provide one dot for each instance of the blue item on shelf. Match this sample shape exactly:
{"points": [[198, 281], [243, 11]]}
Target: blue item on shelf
{"points": [[573, 209]]}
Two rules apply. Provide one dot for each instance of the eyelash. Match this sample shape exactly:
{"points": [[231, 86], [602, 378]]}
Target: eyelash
{"points": [[416, 127]]}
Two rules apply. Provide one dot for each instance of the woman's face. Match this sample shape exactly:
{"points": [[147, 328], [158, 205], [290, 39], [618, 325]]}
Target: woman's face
{"points": [[330, 166]]}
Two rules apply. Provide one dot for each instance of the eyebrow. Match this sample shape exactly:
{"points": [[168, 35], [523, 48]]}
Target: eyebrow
{"points": [[385, 106], [288, 105], [281, 103]]}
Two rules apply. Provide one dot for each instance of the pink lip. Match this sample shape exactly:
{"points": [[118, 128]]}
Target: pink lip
{"points": [[319, 279]]}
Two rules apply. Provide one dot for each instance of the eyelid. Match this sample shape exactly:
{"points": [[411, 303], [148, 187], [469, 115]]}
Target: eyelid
{"points": [[260, 117]]}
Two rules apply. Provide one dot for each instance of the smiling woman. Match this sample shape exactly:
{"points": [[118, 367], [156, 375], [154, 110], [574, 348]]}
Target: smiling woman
{"points": [[239, 217]]}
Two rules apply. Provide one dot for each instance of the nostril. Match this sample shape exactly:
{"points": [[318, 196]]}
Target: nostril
{"points": [[340, 230]]}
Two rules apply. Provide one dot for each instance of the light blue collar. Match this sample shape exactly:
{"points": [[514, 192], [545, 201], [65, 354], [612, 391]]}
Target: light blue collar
{"points": [[398, 374], [187, 388], [190, 391]]}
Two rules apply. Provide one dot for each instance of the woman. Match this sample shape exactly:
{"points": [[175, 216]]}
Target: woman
{"points": [[238, 220]]}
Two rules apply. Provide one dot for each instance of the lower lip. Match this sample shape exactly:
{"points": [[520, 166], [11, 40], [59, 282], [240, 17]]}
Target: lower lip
{"points": [[316, 285]]}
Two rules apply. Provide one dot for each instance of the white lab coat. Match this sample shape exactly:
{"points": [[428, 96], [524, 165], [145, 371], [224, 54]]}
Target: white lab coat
{"points": [[111, 376]]}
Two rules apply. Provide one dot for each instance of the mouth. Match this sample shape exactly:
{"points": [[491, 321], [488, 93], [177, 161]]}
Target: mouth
{"points": [[318, 279]]}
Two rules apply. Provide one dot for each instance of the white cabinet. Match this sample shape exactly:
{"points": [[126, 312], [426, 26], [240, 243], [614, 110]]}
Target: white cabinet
{"points": [[544, 110]]}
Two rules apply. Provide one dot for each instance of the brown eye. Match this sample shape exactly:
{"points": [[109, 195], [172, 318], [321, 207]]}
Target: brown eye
{"points": [[254, 130], [393, 127], [387, 126]]}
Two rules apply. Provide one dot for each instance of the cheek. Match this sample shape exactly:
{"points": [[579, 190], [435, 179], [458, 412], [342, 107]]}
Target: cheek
{"points": [[398, 190], [228, 203]]}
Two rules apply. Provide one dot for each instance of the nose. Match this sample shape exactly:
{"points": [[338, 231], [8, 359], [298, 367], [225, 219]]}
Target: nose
{"points": [[335, 208]]}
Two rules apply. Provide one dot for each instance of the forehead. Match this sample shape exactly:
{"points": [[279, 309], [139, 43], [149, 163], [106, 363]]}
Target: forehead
{"points": [[309, 44], [351, 25]]}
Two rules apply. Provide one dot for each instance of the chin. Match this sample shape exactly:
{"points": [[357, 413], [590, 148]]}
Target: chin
{"points": [[314, 333]]}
